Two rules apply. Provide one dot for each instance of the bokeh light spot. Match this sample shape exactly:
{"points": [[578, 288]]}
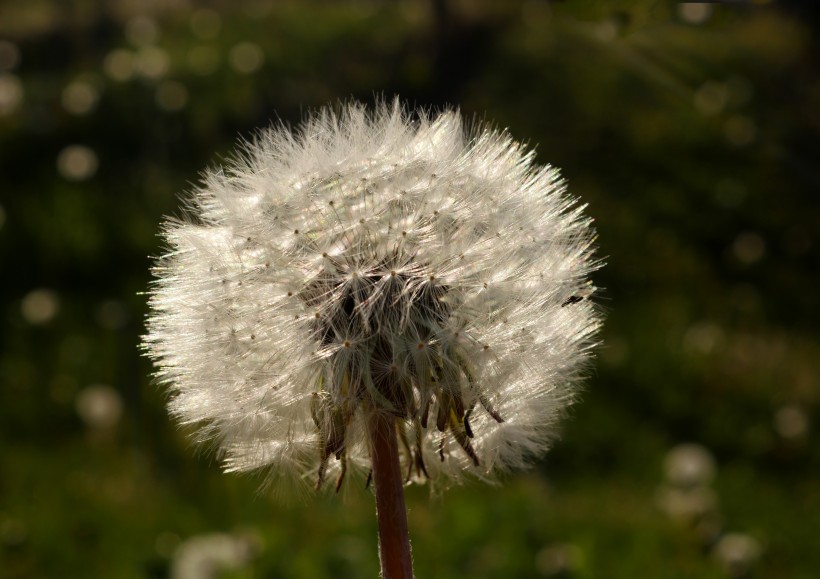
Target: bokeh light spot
{"points": [[711, 98], [559, 559], [152, 62], [791, 422], [737, 553], [694, 12], [171, 95], [166, 543], [218, 552], [740, 130], [119, 64], [79, 97], [687, 505], [40, 306], [703, 337], [205, 23], [688, 465], [9, 56], [11, 93], [246, 57], [749, 248], [141, 31], [77, 163], [99, 406]]}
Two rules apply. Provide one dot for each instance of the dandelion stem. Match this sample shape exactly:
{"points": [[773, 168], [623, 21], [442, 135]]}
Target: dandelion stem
{"points": [[394, 541]]}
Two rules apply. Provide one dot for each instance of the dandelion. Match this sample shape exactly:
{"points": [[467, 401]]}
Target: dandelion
{"points": [[209, 556], [737, 554], [376, 293]]}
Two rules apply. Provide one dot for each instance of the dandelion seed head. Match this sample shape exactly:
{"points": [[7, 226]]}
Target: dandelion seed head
{"points": [[376, 262]]}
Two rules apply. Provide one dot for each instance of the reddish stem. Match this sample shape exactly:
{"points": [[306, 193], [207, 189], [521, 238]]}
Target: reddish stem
{"points": [[394, 541]]}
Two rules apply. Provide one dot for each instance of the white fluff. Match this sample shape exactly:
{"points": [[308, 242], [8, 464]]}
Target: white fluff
{"points": [[374, 261]]}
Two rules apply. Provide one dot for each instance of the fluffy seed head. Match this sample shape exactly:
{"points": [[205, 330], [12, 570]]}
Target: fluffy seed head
{"points": [[375, 262]]}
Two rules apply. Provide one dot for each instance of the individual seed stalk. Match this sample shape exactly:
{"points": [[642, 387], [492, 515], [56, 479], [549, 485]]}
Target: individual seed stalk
{"points": [[377, 293]]}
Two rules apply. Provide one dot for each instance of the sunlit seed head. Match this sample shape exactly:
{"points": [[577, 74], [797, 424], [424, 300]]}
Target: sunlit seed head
{"points": [[379, 304]]}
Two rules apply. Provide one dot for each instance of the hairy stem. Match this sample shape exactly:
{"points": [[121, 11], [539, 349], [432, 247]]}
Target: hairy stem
{"points": [[394, 541]]}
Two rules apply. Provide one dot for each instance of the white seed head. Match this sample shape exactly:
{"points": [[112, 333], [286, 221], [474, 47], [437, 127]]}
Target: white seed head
{"points": [[376, 262]]}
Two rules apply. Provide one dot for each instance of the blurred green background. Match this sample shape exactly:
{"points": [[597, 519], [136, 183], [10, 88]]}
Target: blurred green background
{"points": [[690, 129]]}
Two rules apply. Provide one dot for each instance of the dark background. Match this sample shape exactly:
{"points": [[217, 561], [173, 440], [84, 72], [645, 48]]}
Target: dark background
{"points": [[691, 130]]}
